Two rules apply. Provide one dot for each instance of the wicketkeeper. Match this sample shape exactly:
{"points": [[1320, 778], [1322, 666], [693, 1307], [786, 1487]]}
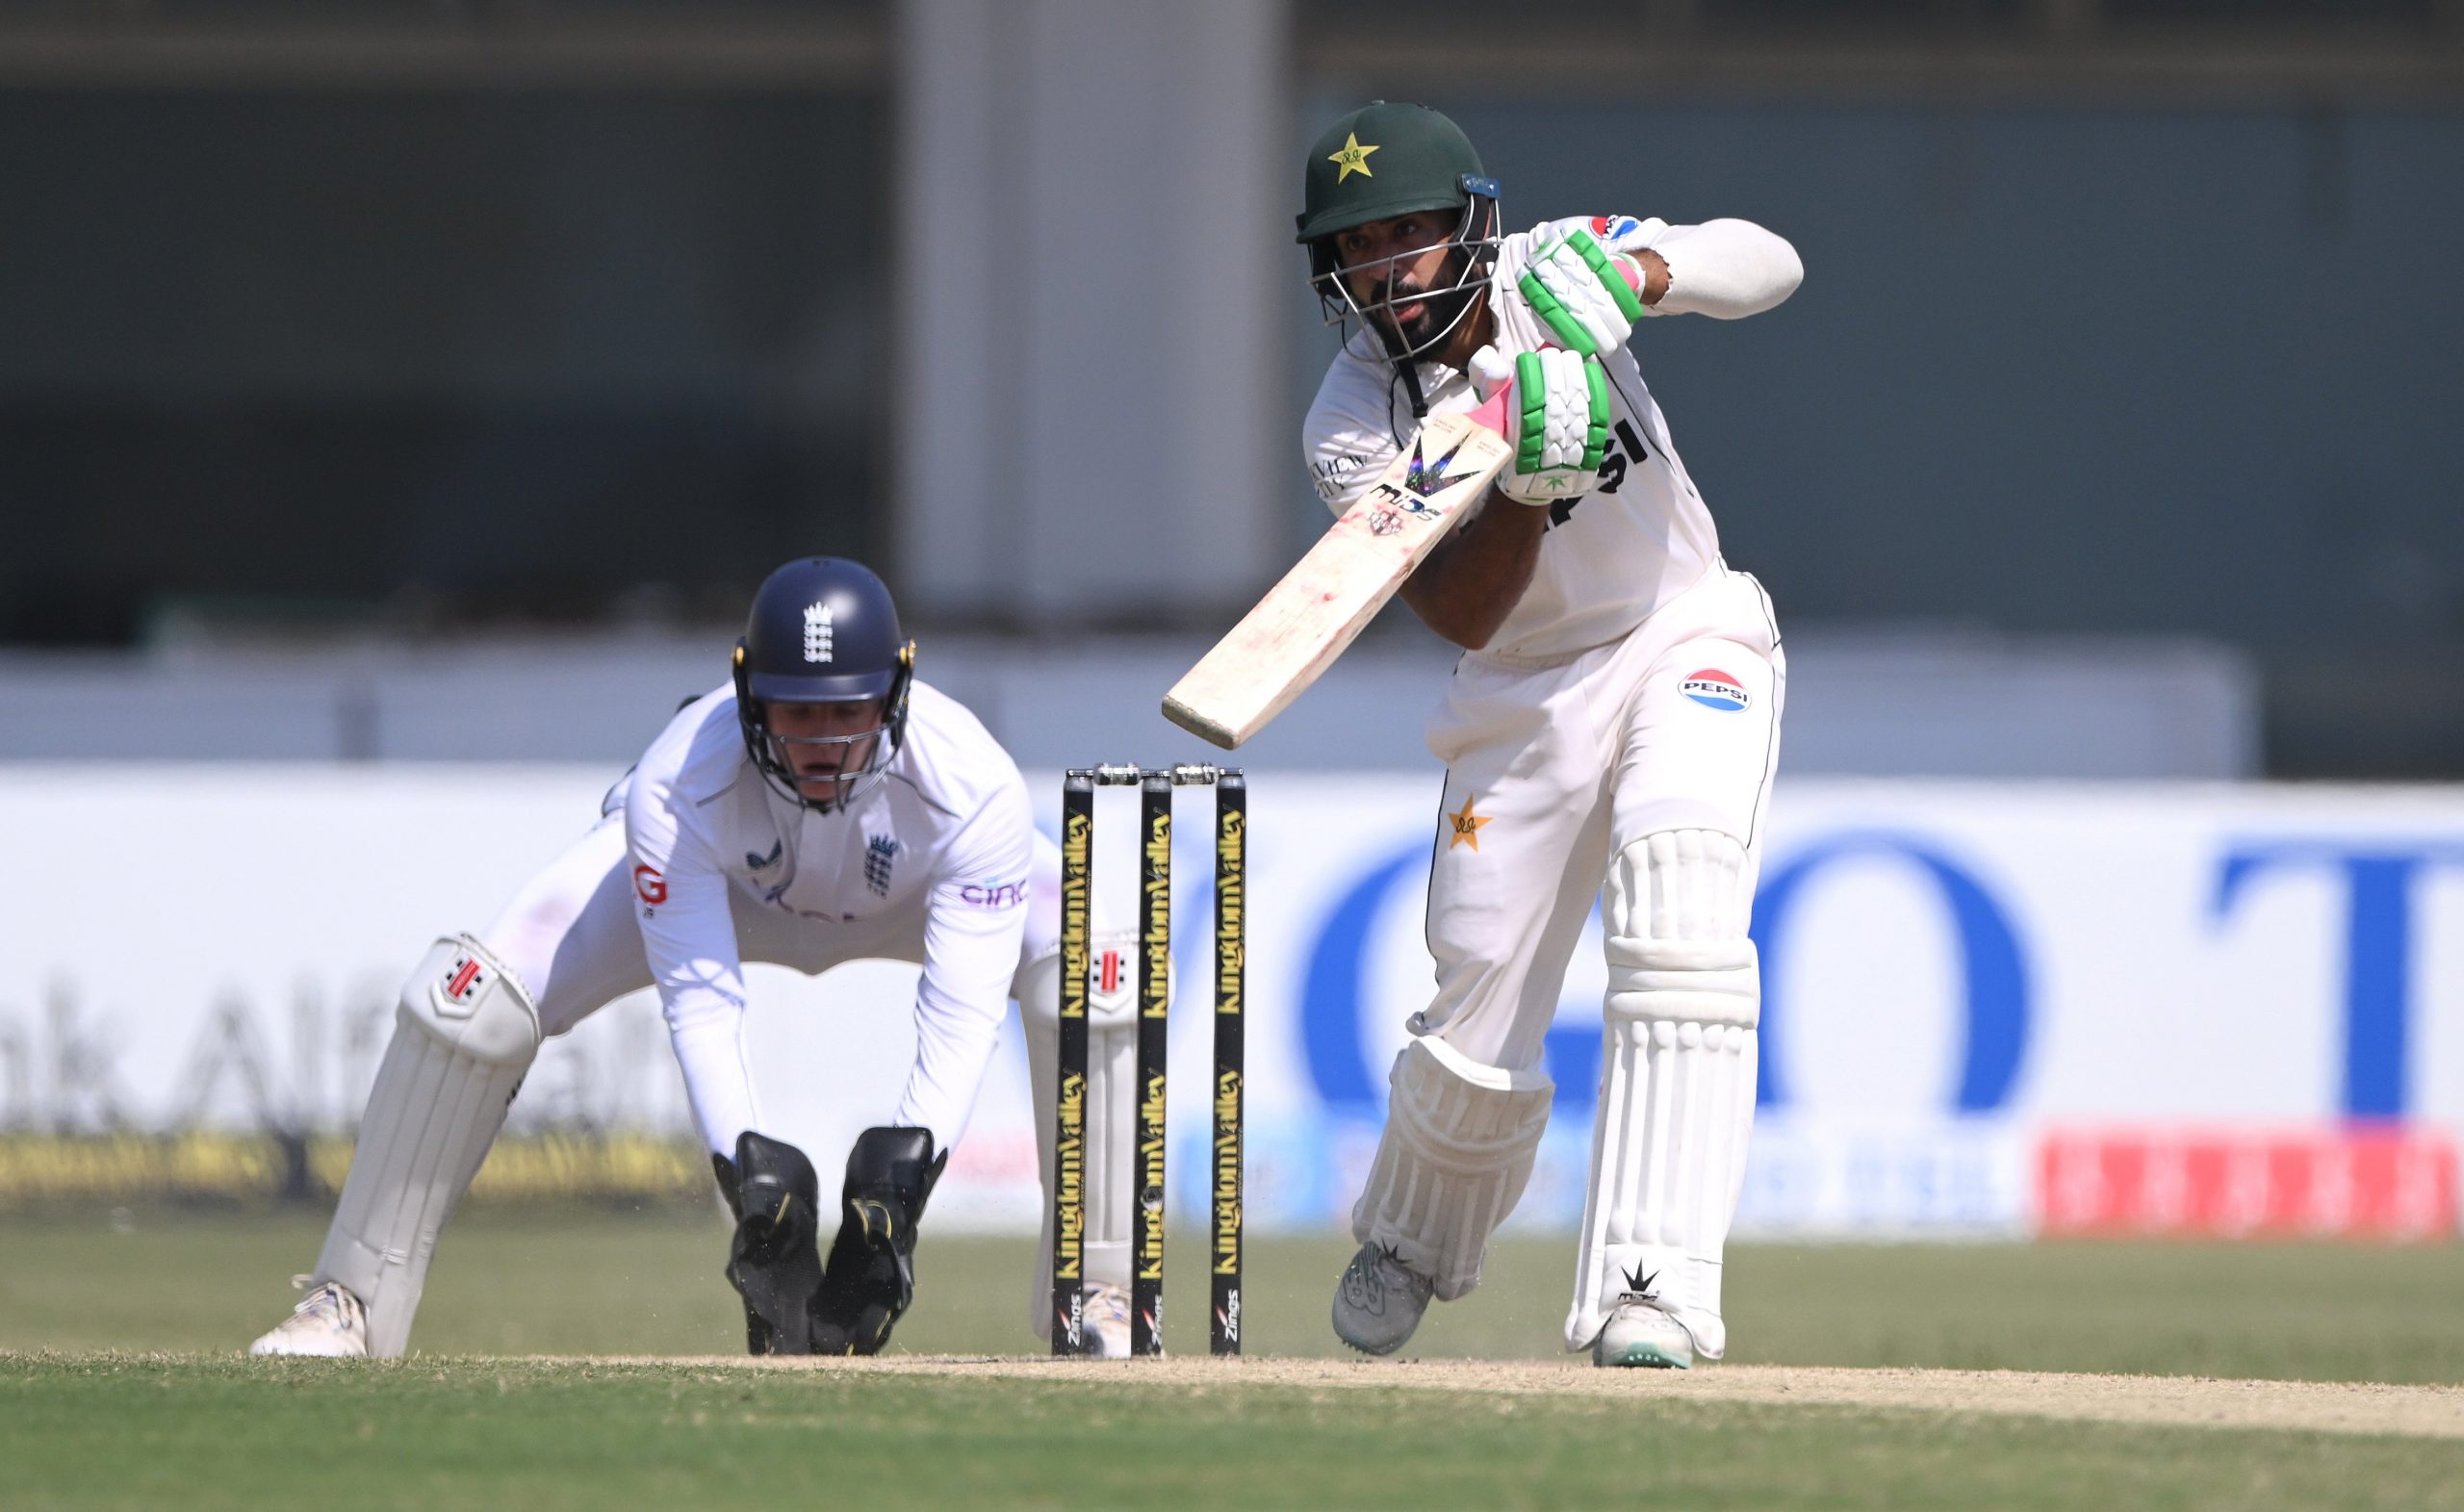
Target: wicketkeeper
{"points": [[823, 807]]}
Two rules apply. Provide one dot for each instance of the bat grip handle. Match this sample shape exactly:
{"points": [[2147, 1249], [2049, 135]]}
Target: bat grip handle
{"points": [[1492, 411]]}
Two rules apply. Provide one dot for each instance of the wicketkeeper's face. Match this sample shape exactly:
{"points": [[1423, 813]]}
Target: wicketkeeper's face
{"points": [[1386, 263], [826, 745]]}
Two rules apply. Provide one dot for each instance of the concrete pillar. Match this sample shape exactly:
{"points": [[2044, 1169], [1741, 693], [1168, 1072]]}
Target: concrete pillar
{"points": [[1095, 269]]}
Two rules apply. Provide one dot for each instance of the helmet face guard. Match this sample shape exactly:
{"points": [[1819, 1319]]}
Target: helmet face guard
{"points": [[774, 752], [1471, 253], [822, 631]]}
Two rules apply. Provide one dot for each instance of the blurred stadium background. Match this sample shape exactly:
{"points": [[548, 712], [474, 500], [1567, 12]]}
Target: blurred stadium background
{"points": [[398, 405]]}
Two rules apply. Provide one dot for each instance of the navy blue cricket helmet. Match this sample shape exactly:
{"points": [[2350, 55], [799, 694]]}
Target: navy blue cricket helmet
{"points": [[822, 630]]}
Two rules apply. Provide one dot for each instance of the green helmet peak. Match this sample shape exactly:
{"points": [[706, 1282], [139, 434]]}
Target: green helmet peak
{"points": [[1387, 160]]}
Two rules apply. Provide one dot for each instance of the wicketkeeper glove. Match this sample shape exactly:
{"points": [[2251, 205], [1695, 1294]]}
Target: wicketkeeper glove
{"points": [[1574, 286], [1556, 419], [774, 1257], [871, 1274]]}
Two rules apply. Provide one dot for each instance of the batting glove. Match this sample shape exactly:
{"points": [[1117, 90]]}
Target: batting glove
{"points": [[1556, 419], [1574, 286]]}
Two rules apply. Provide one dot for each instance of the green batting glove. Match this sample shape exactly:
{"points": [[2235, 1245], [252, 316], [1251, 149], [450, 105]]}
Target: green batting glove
{"points": [[1558, 414], [1576, 289]]}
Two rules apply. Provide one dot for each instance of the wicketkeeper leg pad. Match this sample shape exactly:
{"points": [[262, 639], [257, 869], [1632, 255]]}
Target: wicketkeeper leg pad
{"points": [[1111, 1112], [1675, 1082], [464, 1035], [1458, 1151]]}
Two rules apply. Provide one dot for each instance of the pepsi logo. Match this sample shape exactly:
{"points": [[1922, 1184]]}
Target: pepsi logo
{"points": [[1714, 688]]}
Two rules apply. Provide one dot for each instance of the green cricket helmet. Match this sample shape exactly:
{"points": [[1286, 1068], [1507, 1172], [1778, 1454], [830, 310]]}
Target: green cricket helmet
{"points": [[1386, 160]]}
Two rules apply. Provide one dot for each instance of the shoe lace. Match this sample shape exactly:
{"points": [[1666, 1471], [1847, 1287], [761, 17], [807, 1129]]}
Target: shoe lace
{"points": [[1638, 1292], [327, 1303], [1366, 1285]]}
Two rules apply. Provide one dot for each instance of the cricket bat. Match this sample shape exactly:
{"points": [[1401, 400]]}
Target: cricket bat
{"points": [[1306, 621]]}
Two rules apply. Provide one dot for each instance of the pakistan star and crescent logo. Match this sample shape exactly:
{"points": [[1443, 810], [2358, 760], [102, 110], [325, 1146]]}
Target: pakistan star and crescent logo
{"points": [[1467, 823], [1353, 158]]}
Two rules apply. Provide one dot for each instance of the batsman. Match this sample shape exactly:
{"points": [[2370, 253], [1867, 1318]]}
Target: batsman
{"points": [[1611, 731]]}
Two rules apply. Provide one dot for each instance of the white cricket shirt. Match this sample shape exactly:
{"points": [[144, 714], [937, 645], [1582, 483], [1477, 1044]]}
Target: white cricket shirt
{"points": [[939, 848], [1609, 559]]}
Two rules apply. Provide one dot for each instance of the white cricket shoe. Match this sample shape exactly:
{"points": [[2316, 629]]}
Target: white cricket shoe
{"points": [[1107, 1320], [1640, 1332], [328, 1321], [1379, 1300]]}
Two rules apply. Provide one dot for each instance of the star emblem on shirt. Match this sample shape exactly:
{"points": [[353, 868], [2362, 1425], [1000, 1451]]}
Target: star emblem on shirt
{"points": [[1467, 823], [1353, 159]]}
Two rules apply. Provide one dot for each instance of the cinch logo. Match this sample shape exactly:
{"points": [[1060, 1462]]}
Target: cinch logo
{"points": [[1003, 895], [1714, 688]]}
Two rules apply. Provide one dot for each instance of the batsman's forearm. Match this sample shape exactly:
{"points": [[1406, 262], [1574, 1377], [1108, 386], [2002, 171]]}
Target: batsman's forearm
{"points": [[1724, 268], [1655, 285], [1466, 587]]}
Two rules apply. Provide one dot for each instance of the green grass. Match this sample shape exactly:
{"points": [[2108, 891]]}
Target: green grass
{"points": [[577, 1283], [150, 1432], [447, 1428], [2279, 1312]]}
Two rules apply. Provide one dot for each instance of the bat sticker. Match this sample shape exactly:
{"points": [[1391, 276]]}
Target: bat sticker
{"points": [[1432, 479]]}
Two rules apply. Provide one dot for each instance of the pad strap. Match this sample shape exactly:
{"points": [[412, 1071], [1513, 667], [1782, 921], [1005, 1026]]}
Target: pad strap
{"points": [[1457, 1154]]}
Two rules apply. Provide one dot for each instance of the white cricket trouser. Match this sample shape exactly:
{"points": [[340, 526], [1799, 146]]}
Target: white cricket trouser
{"points": [[569, 937], [1554, 766]]}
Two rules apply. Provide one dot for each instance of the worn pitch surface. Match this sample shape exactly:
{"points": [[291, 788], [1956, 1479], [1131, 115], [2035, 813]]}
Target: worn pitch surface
{"points": [[2435, 1412]]}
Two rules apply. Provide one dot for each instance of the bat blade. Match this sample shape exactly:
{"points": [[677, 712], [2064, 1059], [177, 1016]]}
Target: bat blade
{"points": [[1304, 623], [1306, 620]]}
